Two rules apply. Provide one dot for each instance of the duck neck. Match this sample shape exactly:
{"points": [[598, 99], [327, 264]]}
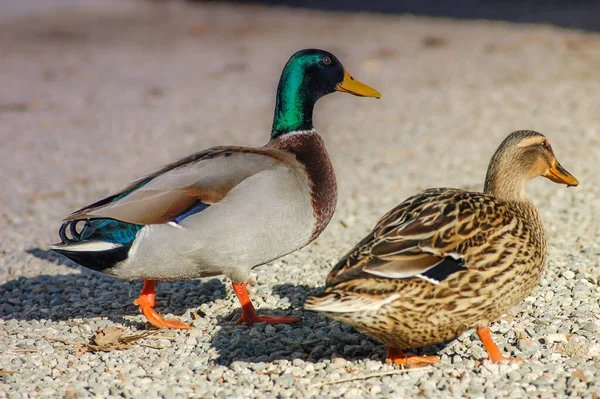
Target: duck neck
{"points": [[294, 104], [504, 183]]}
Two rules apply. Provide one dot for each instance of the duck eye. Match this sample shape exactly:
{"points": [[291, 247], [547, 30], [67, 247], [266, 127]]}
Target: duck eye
{"points": [[544, 143], [326, 60]]}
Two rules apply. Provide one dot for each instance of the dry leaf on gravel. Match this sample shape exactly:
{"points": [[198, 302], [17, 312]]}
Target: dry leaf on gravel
{"points": [[80, 349], [108, 337], [114, 338]]}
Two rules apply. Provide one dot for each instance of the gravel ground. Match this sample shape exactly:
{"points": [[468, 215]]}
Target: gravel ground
{"points": [[93, 98]]}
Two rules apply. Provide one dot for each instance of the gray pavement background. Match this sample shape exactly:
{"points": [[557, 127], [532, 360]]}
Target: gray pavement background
{"points": [[94, 97]]}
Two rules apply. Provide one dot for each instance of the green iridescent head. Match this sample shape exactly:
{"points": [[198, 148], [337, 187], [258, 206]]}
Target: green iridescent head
{"points": [[308, 76]]}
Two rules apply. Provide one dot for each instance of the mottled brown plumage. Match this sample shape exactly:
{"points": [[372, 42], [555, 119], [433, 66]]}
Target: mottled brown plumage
{"points": [[447, 260]]}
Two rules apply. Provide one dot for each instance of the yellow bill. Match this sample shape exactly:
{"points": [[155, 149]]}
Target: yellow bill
{"points": [[353, 86], [558, 174]]}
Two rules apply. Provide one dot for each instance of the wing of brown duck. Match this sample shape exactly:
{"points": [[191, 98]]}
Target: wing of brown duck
{"points": [[432, 235]]}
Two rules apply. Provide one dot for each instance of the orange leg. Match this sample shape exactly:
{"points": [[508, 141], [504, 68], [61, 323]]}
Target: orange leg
{"points": [[249, 315], [492, 348], [146, 304], [395, 355]]}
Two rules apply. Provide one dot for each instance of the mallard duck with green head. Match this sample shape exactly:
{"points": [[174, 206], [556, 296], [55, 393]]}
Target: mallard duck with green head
{"points": [[447, 260], [225, 210]]}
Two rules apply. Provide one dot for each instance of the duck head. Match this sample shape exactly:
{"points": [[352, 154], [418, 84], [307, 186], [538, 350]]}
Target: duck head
{"points": [[522, 156], [309, 75]]}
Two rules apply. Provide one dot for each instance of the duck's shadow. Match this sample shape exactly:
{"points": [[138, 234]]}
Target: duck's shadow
{"points": [[90, 294], [314, 338]]}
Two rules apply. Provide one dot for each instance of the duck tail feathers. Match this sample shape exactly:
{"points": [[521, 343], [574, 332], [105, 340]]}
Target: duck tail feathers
{"points": [[332, 301], [98, 244]]}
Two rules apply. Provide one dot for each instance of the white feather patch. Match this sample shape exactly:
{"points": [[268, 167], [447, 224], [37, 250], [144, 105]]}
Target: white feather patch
{"points": [[428, 279], [354, 304], [175, 225], [394, 274], [436, 251], [296, 133], [89, 246]]}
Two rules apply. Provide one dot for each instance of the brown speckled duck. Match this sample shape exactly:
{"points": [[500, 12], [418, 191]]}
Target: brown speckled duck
{"points": [[447, 260], [224, 210]]}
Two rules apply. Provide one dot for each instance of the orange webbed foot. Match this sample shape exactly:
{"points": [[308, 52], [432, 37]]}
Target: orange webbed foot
{"points": [[494, 354], [249, 315], [146, 304], [396, 356], [414, 361]]}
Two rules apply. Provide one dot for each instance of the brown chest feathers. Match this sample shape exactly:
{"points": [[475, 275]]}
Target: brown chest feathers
{"points": [[309, 150]]}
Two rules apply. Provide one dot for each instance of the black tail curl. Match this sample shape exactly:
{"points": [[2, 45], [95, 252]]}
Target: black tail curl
{"points": [[72, 231]]}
